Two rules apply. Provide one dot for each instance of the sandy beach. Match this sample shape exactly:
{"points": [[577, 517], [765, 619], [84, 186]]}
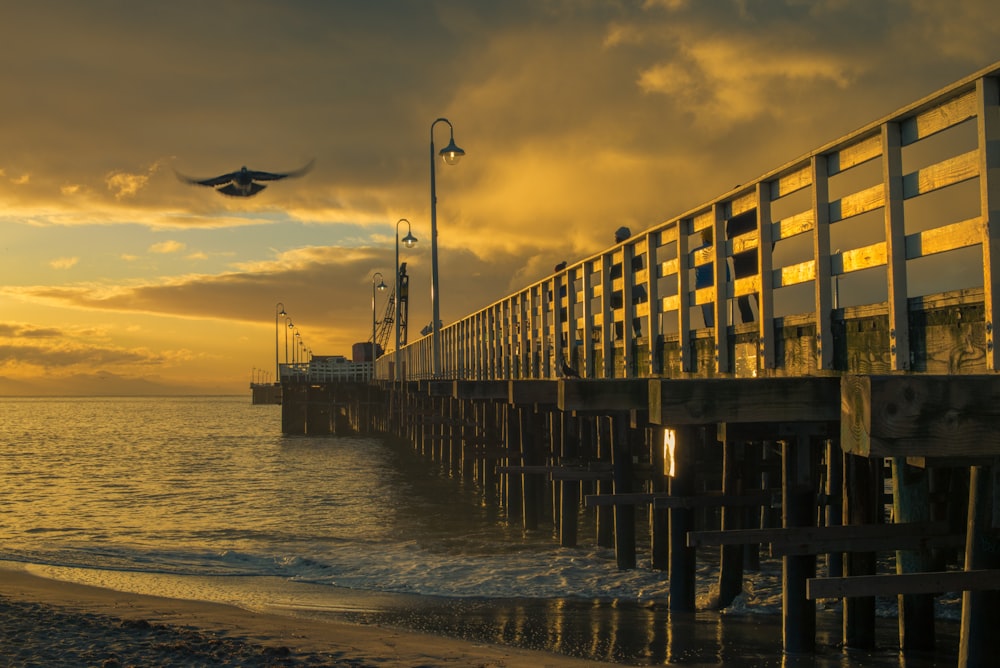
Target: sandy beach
{"points": [[51, 623]]}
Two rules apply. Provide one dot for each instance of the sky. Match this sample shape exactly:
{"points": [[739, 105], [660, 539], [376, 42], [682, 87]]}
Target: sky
{"points": [[577, 117]]}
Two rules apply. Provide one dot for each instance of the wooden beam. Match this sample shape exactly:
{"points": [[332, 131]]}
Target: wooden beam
{"points": [[907, 583], [713, 400], [787, 537], [603, 395], [665, 502], [522, 392], [920, 416], [480, 389]]}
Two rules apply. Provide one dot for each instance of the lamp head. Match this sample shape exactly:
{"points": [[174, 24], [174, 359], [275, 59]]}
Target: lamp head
{"points": [[409, 240], [452, 153], [381, 285]]}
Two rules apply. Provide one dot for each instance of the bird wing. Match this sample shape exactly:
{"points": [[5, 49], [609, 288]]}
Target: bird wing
{"points": [[214, 181], [234, 190], [274, 176]]}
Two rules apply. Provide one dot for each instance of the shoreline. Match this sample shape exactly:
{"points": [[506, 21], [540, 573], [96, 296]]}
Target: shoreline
{"points": [[51, 620]]}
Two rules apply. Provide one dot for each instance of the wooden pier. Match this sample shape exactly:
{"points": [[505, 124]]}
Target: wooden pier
{"points": [[746, 376]]}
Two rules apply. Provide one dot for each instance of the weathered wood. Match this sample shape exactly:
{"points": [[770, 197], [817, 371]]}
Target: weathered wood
{"points": [[862, 496], [911, 503], [816, 540], [714, 400], [731, 556], [496, 390], [798, 613], [532, 392], [933, 583], [920, 416], [709, 500], [621, 462], [939, 117], [619, 499], [682, 564], [979, 643], [606, 395]]}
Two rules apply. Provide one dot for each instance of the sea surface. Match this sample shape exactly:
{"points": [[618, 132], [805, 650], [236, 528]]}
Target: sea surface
{"points": [[204, 498]]}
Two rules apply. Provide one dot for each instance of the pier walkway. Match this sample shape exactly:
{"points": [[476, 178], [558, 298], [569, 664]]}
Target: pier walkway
{"points": [[745, 376]]}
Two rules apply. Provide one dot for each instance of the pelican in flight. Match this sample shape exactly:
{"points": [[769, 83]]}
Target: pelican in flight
{"points": [[244, 182]]}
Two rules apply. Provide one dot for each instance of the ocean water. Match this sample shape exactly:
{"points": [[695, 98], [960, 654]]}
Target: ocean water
{"points": [[204, 498]]}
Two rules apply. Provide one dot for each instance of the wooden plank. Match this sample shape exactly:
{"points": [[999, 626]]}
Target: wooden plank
{"points": [[939, 175], [920, 416], [794, 274], [527, 469], [714, 501], [938, 118], [906, 583], [946, 238], [791, 182], [868, 544], [742, 203], [790, 537], [608, 394], [867, 257], [480, 389], [861, 151], [714, 400], [524, 392], [793, 225], [857, 203], [579, 474], [622, 499]]}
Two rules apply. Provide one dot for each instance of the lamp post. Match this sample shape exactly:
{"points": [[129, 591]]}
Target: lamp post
{"points": [[380, 286], [451, 154], [409, 241], [288, 326], [279, 310]]}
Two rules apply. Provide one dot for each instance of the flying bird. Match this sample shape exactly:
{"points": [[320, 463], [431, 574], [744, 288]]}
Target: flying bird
{"points": [[244, 182]]}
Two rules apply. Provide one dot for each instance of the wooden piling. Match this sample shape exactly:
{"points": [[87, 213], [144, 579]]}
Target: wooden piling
{"points": [[863, 505], [604, 515], [569, 490], [624, 514], [911, 503], [798, 502], [682, 483], [980, 639], [731, 556]]}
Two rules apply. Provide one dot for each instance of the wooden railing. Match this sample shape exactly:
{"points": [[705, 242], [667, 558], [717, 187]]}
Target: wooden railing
{"points": [[872, 230]]}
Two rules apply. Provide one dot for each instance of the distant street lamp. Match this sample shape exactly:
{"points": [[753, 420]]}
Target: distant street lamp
{"points": [[296, 342], [289, 325], [279, 310], [380, 286], [451, 154], [409, 241]]}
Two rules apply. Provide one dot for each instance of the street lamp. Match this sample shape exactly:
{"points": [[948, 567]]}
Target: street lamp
{"points": [[289, 325], [279, 310], [409, 241], [451, 154], [380, 286]]}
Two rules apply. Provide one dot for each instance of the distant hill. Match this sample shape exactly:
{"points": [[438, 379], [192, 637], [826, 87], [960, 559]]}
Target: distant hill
{"points": [[105, 384]]}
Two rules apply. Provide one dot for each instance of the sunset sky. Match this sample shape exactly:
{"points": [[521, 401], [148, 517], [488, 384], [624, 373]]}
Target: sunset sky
{"points": [[577, 117]]}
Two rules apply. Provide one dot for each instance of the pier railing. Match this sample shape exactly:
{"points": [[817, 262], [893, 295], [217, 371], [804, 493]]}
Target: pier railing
{"points": [[871, 254]]}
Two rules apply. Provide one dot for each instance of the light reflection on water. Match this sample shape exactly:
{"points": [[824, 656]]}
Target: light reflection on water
{"points": [[165, 495]]}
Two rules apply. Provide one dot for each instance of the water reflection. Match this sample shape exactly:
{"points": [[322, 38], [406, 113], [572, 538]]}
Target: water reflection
{"points": [[643, 634]]}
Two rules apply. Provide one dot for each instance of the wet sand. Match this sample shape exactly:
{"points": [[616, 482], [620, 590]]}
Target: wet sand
{"points": [[52, 623]]}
